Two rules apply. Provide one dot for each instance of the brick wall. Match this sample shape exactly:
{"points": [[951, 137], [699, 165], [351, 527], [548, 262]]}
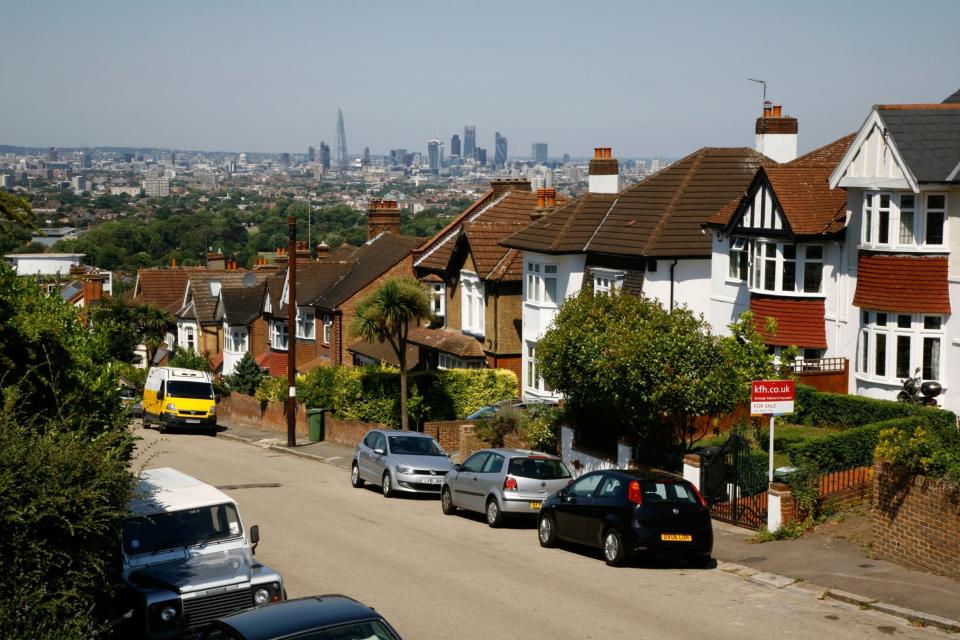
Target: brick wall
{"points": [[916, 520], [259, 336], [244, 409], [348, 433], [307, 350], [446, 432]]}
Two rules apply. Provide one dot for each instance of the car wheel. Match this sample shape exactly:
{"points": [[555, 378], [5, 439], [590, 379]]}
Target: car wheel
{"points": [[613, 551], [161, 426], [701, 562], [446, 502], [355, 478], [547, 531], [385, 485], [494, 515]]}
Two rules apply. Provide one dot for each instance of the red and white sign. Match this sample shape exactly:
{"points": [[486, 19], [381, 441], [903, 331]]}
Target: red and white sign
{"points": [[772, 397]]}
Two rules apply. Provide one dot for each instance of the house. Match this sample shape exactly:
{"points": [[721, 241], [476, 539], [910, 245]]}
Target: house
{"points": [[163, 289], [237, 309], [645, 239], [902, 180], [476, 283]]}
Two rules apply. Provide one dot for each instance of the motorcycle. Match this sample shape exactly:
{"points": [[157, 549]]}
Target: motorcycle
{"points": [[915, 391]]}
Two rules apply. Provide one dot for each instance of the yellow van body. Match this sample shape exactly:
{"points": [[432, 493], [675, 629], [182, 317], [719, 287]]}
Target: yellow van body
{"points": [[175, 397]]}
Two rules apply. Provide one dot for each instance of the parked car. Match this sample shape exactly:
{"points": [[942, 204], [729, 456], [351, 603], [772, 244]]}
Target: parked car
{"points": [[496, 482], [625, 513], [175, 397], [521, 405], [404, 461], [331, 617], [136, 409]]}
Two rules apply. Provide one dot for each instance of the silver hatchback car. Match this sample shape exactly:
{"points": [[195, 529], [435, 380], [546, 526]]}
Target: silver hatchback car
{"points": [[501, 481], [400, 461]]}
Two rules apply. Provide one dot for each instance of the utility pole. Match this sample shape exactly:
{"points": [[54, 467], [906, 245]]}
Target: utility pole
{"points": [[292, 334]]}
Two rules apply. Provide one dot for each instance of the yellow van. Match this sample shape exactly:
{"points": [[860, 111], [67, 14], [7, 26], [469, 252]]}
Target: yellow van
{"points": [[179, 398]]}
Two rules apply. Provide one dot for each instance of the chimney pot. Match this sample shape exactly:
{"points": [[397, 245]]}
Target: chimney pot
{"points": [[551, 197], [541, 198], [778, 111], [173, 263]]}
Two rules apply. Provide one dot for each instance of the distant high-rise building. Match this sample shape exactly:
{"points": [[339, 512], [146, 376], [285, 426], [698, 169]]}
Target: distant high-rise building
{"points": [[500, 151], [566, 158], [53, 155], [79, 184], [6, 181], [469, 141], [539, 152], [365, 159], [343, 160], [455, 146], [285, 159], [311, 154], [86, 160], [434, 154], [481, 155], [156, 187], [325, 157]]}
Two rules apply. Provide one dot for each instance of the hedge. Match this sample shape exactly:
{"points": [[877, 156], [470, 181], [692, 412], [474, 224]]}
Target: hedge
{"points": [[842, 411], [845, 449], [372, 394]]}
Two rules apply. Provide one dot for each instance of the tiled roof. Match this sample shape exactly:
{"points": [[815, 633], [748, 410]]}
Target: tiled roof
{"points": [[369, 262], [493, 261], [829, 155], [800, 321], [383, 352], [928, 138], [452, 342], [205, 304], [275, 289], [808, 202], [953, 98], [275, 362], [216, 361], [660, 216], [162, 288], [427, 255], [241, 305], [343, 252], [313, 280], [916, 284]]}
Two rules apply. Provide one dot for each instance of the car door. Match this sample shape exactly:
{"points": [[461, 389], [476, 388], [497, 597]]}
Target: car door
{"points": [[609, 498], [490, 477], [364, 452], [378, 456], [467, 482], [571, 510]]}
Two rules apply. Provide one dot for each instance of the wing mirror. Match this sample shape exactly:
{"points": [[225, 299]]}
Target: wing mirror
{"points": [[379, 451], [254, 538], [457, 467]]}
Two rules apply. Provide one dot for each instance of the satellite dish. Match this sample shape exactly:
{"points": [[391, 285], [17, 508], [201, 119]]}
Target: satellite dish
{"points": [[249, 279]]}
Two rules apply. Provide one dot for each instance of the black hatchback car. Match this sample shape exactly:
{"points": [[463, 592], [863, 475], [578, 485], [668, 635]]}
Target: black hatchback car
{"points": [[626, 513], [332, 617]]}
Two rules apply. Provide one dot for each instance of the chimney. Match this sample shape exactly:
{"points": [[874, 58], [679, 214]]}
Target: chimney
{"points": [[776, 134], [303, 251], [551, 197], [604, 172], [323, 251], [281, 257], [541, 198], [382, 216], [502, 186], [216, 261]]}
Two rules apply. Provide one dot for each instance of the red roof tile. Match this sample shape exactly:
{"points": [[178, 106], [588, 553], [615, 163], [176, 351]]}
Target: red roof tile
{"points": [[800, 322], [828, 155], [916, 284], [452, 342], [162, 288], [216, 361], [810, 205], [275, 362]]}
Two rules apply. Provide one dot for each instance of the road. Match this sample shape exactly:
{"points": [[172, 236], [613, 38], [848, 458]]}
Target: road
{"points": [[440, 577]]}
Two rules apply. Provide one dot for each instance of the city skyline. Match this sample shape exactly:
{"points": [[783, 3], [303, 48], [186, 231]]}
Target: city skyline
{"points": [[645, 79]]}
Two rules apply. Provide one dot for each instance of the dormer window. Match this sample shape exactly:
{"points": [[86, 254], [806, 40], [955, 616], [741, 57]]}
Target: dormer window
{"points": [[214, 288], [438, 295]]}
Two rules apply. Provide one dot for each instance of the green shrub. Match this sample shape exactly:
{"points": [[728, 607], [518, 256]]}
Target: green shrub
{"points": [[247, 375], [845, 449], [463, 391], [845, 411], [926, 448], [494, 429], [189, 359], [541, 430], [272, 389]]}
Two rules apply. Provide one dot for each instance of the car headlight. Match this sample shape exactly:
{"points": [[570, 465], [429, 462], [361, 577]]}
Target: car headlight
{"points": [[171, 406], [168, 614], [403, 469], [261, 596], [213, 411]]}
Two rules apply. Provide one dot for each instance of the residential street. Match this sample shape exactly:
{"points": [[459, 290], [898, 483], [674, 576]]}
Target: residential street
{"points": [[440, 577]]}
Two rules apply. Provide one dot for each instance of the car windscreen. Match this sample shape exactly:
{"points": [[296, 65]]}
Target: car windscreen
{"points": [[539, 468], [188, 389], [414, 446], [668, 492], [171, 529]]}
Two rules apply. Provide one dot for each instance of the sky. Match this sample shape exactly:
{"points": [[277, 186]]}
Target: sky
{"points": [[646, 78]]}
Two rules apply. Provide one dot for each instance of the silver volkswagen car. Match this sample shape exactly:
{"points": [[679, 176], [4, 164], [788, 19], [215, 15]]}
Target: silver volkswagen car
{"points": [[500, 481], [400, 461]]}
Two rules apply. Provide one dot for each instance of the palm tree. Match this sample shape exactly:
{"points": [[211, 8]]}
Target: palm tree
{"points": [[387, 315], [152, 324]]}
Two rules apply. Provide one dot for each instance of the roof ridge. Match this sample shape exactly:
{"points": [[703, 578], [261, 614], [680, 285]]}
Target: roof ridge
{"points": [[452, 230], [677, 195], [596, 229]]}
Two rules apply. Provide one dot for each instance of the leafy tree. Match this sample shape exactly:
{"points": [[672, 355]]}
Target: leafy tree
{"points": [[246, 376], [635, 368], [189, 359], [125, 326], [387, 315], [15, 209]]}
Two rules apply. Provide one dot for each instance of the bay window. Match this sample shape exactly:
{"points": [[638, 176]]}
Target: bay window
{"points": [[534, 380], [306, 318], [895, 345], [892, 220], [237, 341], [472, 303], [784, 267], [447, 361], [542, 283], [936, 208], [606, 281]]}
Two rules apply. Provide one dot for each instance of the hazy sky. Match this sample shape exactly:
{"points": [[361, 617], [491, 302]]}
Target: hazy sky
{"points": [[647, 78]]}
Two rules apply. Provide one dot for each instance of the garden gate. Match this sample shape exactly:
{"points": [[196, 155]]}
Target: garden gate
{"points": [[734, 484]]}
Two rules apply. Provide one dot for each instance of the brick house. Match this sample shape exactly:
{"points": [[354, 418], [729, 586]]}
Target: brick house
{"points": [[163, 289], [237, 310]]}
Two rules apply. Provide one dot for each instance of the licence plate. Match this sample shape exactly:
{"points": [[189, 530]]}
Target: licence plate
{"points": [[676, 537], [535, 505], [432, 480], [192, 421]]}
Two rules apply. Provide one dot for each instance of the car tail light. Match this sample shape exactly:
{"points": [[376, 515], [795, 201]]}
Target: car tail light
{"points": [[699, 495], [634, 494], [510, 484]]}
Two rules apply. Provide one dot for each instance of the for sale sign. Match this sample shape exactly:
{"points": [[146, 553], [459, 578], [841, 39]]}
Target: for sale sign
{"points": [[772, 397]]}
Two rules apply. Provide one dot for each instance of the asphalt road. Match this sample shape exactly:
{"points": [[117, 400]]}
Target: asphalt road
{"points": [[440, 577]]}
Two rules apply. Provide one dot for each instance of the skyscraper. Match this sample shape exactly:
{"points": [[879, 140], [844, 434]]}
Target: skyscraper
{"points": [[325, 157], [539, 152], [365, 158], [500, 151], [342, 159], [469, 141], [311, 154], [434, 154], [481, 156], [455, 146]]}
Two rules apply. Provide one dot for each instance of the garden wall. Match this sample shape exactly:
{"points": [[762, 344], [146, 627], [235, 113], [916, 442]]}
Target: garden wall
{"points": [[244, 409], [349, 433], [916, 520]]}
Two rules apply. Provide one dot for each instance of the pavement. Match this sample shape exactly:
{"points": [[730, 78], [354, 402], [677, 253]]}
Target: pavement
{"points": [[821, 565]]}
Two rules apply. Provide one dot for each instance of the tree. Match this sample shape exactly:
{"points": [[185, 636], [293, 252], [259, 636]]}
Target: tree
{"points": [[189, 359], [387, 315], [633, 368], [15, 209], [246, 376]]}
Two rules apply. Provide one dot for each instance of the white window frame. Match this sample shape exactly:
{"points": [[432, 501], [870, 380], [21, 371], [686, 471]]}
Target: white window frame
{"points": [[607, 281], [279, 335], [236, 332], [447, 361], [886, 327], [306, 319], [739, 250], [473, 309], [911, 238], [438, 293], [327, 327], [762, 251], [927, 210], [540, 277], [190, 337], [532, 378]]}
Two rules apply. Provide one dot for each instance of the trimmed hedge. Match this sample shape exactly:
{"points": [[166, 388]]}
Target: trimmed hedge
{"points": [[842, 411], [372, 394], [845, 449]]}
